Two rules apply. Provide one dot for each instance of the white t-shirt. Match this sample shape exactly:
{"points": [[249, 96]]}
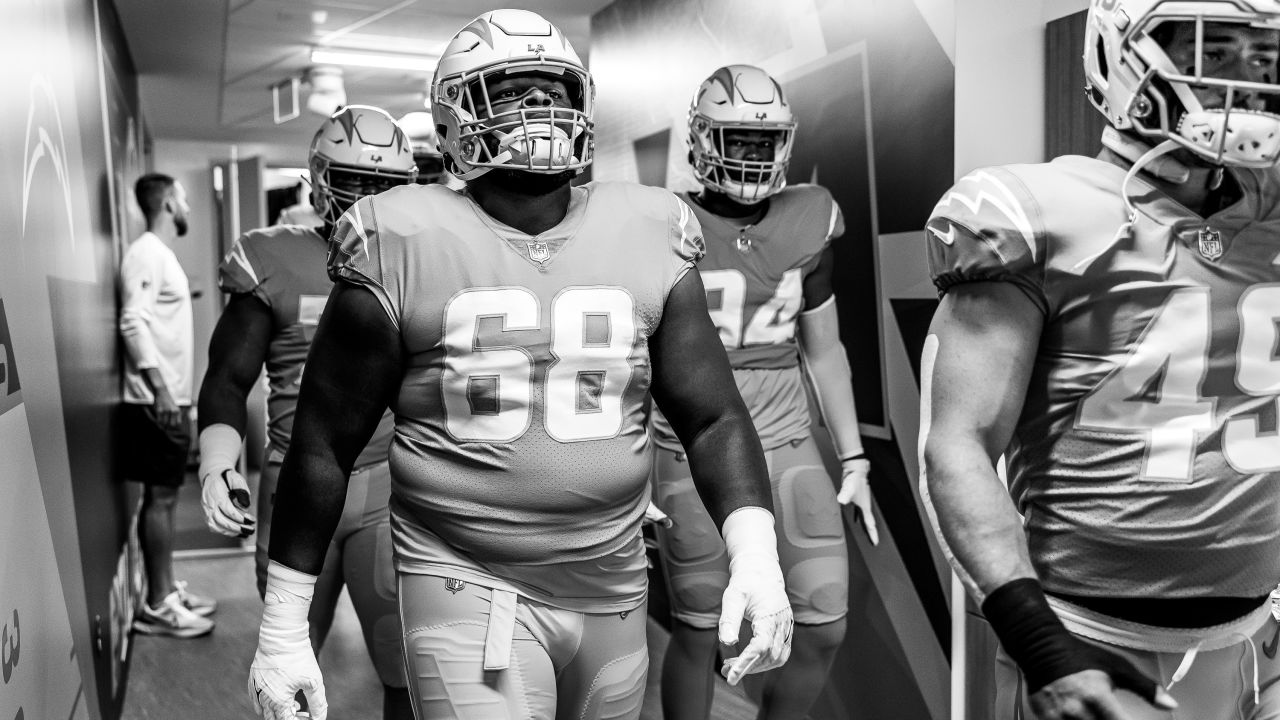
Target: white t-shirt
{"points": [[155, 320]]}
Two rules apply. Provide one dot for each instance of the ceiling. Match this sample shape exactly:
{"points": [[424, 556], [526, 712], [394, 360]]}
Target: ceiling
{"points": [[206, 66]]}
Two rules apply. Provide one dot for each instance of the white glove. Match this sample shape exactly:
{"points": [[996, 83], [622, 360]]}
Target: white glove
{"points": [[854, 488], [285, 662], [224, 494], [654, 516], [756, 591]]}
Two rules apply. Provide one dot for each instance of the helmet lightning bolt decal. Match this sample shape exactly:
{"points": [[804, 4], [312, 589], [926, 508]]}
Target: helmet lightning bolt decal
{"points": [[990, 191]]}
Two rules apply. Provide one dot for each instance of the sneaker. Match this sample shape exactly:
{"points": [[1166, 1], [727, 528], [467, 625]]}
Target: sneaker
{"points": [[172, 618], [201, 606]]}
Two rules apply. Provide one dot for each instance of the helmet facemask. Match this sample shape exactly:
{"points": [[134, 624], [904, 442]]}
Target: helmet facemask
{"points": [[745, 181], [1205, 80], [338, 185], [358, 151], [544, 139]]}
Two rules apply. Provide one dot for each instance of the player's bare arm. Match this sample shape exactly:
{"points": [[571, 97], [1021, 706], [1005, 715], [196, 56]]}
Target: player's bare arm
{"points": [[694, 387], [975, 370], [237, 352], [353, 371]]}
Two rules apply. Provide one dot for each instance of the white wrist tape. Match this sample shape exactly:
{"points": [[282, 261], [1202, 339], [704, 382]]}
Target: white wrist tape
{"points": [[284, 616], [219, 448], [748, 533]]}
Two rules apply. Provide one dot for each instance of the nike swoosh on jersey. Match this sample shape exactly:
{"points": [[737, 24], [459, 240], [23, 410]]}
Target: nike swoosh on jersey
{"points": [[947, 238]]}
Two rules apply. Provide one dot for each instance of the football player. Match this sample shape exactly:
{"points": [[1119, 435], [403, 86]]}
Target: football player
{"points": [[517, 328], [767, 273], [1110, 325], [278, 287]]}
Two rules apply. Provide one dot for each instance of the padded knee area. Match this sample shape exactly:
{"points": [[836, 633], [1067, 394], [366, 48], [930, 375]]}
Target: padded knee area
{"points": [[811, 514], [818, 589], [699, 595]]}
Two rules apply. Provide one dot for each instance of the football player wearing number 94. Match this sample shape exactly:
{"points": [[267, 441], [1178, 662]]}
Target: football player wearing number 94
{"points": [[516, 329], [1110, 325]]}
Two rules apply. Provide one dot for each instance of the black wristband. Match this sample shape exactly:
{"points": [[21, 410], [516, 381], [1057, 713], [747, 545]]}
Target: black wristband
{"points": [[859, 456], [1032, 634]]}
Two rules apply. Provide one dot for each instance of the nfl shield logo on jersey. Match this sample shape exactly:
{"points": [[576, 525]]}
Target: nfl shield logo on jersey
{"points": [[453, 585], [1210, 244], [539, 251]]}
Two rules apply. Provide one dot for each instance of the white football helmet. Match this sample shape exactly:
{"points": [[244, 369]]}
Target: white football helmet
{"points": [[740, 97], [542, 140], [357, 147], [1132, 80]]}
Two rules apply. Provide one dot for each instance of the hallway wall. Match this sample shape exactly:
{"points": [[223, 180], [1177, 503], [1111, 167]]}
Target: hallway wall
{"points": [[71, 143]]}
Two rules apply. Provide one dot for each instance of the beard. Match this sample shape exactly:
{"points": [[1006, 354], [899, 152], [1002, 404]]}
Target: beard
{"points": [[522, 182], [180, 224]]}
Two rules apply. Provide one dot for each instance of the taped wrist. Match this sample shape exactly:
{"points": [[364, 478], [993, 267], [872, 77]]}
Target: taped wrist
{"points": [[284, 614], [219, 449], [748, 533], [1030, 631]]}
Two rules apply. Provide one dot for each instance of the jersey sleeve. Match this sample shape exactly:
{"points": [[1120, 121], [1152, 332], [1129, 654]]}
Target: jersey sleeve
{"points": [[239, 272], [987, 229], [687, 246], [360, 253]]}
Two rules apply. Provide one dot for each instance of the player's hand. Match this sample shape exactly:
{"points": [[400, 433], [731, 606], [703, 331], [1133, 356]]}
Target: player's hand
{"points": [[855, 489], [284, 662], [168, 414], [756, 592], [655, 516], [1090, 695], [275, 680], [224, 495]]}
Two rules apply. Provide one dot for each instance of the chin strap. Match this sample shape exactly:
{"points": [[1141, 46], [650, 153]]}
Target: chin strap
{"points": [[1147, 158]]}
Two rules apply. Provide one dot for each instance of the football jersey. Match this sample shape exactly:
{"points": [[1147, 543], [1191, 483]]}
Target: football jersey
{"points": [[284, 267], [754, 277], [520, 439], [1146, 458]]}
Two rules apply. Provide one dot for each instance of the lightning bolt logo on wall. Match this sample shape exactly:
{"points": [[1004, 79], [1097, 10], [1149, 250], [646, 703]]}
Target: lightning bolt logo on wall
{"points": [[42, 146]]}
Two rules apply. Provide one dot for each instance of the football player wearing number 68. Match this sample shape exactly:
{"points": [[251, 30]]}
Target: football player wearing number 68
{"points": [[1110, 325], [516, 328], [767, 273]]}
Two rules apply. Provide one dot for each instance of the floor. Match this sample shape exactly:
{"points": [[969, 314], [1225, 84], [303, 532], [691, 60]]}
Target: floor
{"points": [[204, 678]]}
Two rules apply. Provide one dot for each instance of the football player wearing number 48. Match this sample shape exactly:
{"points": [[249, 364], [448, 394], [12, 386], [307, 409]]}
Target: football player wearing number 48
{"points": [[767, 272], [516, 328], [1110, 325]]}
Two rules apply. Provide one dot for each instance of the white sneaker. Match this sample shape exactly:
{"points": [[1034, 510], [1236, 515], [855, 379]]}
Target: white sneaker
{"points": [[172, 618]]}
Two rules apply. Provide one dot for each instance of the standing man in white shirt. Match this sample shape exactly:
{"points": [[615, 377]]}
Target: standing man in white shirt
{"points": [[156, 324]]}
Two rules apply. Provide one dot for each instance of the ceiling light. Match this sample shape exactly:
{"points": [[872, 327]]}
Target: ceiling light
{"points": [[424, 63]]}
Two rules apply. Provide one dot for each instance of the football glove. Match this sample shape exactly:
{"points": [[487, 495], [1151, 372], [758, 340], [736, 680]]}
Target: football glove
{"points": [[755, 592], [224, 494], [855, 489], [284, 662]]}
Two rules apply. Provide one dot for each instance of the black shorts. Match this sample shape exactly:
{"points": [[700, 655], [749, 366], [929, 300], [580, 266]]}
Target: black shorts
{"points": [[148, 453]]}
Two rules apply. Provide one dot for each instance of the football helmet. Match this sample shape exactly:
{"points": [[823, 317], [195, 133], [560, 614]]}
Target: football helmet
{"points": [[1132, 79], [740, 97], [545, 140], [359, 150]]}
